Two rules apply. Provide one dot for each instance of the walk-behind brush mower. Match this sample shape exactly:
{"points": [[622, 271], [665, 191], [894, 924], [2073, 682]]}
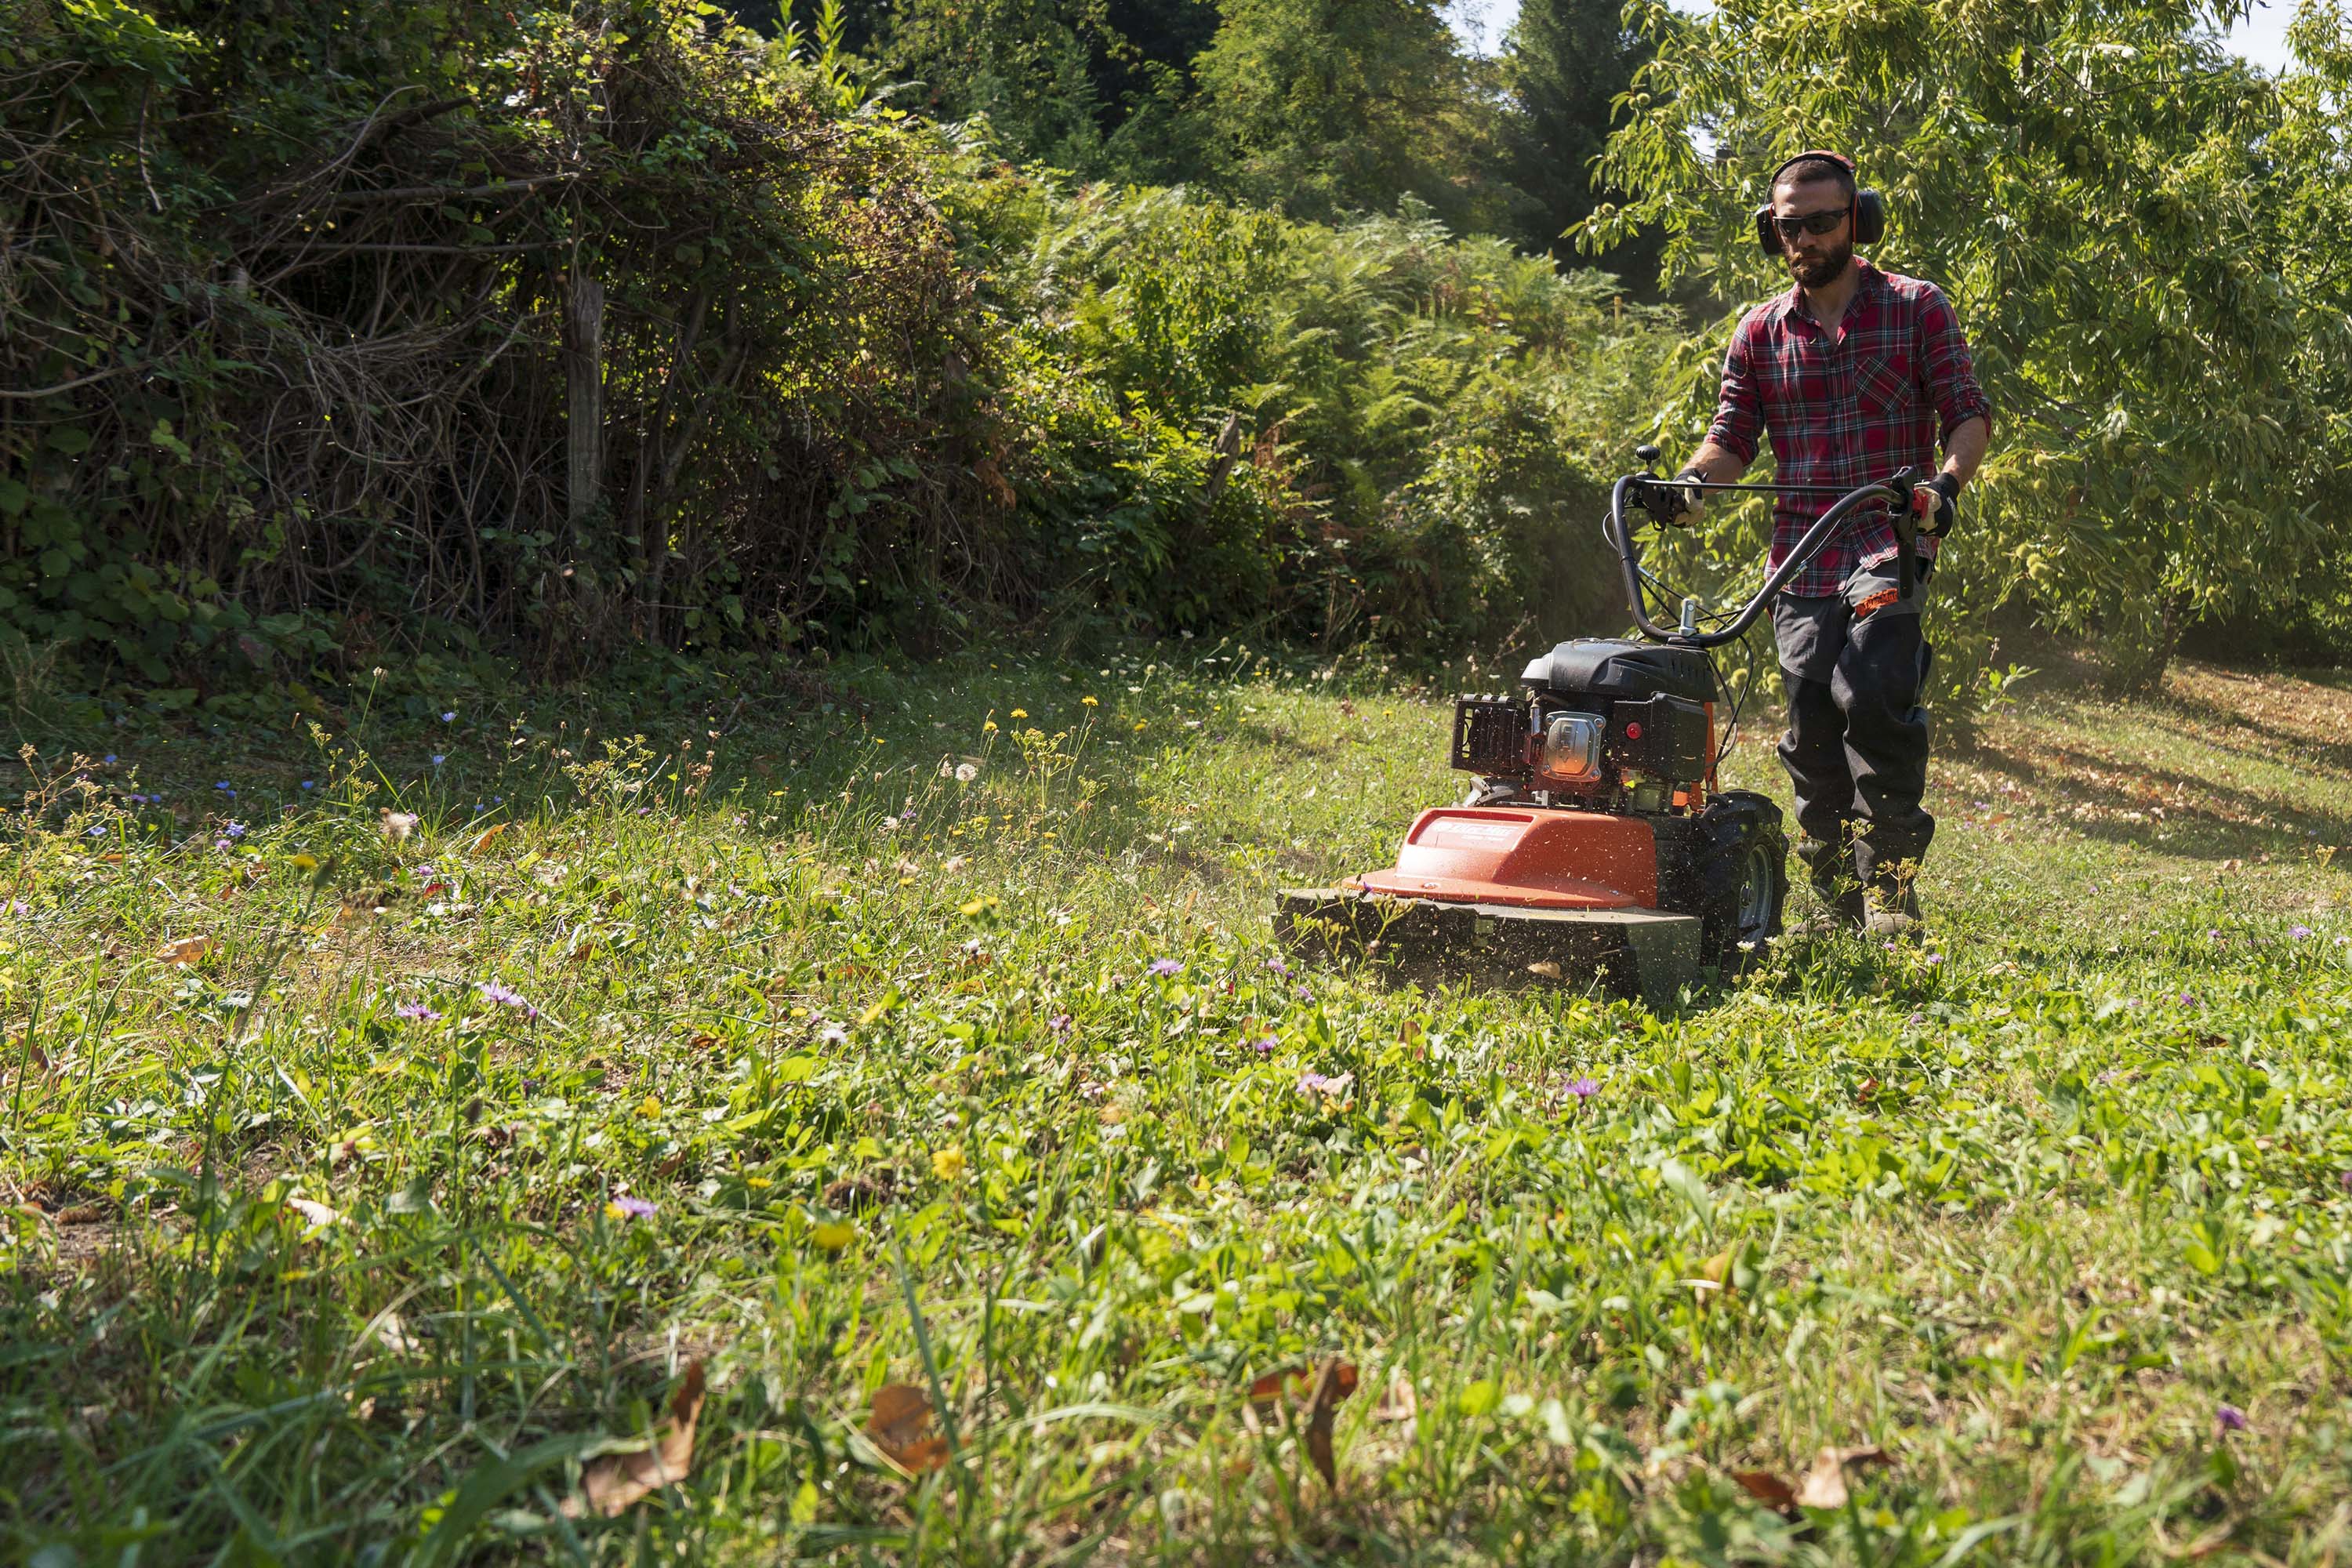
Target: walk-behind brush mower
{"points": [[1595, 844]]}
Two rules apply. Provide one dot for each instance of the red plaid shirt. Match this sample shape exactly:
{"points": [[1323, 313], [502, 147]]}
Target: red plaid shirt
{"points": [[1847, 412]]}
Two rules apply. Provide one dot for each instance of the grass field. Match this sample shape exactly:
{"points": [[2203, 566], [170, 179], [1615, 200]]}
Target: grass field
{"points": [[867, 1119]]}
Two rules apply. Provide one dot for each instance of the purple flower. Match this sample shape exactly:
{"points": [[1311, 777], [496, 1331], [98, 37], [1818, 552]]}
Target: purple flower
{"points": [[1276, 965], [440, 757], [2345, 1180], [234, 830], [418, 1011], [307, 783], [110, 756], [449, 717], [2187, 1000], [1265, 1048], [1935, 958], [19, 907], [2297, 933], [2231, 1417], [2213, 933], [1311, 1082], [1166, 966], [225, 787], [1059, 1023], [494, 991], [97, 830], [630, 1208], [1584, 1087]]}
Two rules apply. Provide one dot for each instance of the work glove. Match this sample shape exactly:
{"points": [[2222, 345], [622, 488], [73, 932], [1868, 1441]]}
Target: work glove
{"points": [[1684, 486], [1938, 501]]}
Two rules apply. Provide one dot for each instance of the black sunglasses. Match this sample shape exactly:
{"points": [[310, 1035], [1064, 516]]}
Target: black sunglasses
{"points": [[1812, 223]]}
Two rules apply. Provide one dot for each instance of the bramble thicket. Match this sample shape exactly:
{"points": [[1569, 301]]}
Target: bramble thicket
{"points": [[471, 333]]}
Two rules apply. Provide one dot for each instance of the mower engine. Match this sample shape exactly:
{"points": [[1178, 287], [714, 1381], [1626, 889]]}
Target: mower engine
{"points": [[1607, 724]]}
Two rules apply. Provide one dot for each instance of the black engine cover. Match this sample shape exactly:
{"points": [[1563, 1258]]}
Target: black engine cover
{"points": [[1611, 667]]}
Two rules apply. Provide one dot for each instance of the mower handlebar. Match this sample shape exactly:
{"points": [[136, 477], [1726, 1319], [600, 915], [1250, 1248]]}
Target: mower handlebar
{"points": [[1895, 489]]}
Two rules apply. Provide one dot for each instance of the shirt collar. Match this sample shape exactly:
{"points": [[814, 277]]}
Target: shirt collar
{"points": [[1792, 303]]}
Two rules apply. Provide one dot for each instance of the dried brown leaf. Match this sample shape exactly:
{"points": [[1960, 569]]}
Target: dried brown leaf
{"points": [[1766, 1488], [185, 950], [485, 838], [900, 1427], [1338, 1380], [1825, 1484], [612, 1482]]}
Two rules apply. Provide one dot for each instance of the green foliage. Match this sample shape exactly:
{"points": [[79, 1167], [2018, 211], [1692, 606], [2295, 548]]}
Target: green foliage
{"points": [[1418, 427], [2092, 182], [1567, 62]]}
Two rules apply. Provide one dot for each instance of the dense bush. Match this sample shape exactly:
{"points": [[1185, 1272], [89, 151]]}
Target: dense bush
{"points": [[549, 330]]}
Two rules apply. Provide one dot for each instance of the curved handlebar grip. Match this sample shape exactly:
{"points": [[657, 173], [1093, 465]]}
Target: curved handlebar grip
{"points": [[1896, 487]]}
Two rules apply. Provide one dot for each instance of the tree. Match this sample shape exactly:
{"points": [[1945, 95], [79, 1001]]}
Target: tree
{"points": [[1565, 64], [2088, 180], [1333, 105]]}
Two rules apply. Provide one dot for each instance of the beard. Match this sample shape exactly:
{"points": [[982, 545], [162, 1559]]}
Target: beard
{"points": [[1814, 272]]}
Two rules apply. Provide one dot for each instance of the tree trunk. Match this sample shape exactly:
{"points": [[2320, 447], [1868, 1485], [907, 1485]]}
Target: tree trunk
{"points": [[584, 426]]}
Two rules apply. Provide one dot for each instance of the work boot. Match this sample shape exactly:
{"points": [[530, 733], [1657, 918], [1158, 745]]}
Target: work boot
{"points": [[1894, 912]]}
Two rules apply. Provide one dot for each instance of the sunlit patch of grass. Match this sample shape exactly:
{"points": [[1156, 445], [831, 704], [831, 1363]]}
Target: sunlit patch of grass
{"points": [[375, 1164]]}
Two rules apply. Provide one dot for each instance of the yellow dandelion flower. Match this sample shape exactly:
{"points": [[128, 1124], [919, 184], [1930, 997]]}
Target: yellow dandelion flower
{"points": [[1088, 703], [650, 1107], [1021, 713], [990, 725], [832, 1235], [947, 1165]]}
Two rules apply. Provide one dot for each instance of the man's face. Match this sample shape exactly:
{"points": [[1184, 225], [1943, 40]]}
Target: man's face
{"points": [[1815, 259]]}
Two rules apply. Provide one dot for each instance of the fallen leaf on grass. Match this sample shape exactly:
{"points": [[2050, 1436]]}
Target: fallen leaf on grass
{"points": [[613, 1481], [317, 1212], [1825, 1484], [485, 838], [1766, 1488], [900, 1427], [1337, 1382], [185, 950]]}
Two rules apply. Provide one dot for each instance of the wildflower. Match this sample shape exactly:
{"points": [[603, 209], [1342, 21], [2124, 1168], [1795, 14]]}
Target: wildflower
{"points": [[2230, 1418], [2297, 933], [97, 830], [947, 1163], [1935, 958], [1166, 966], [110, 756], [440, 757], [988, 726], [1311, 1082], [234, 830], [224, 785], [1277, 966], [307, 783], [1265, 1048], [1584, 1087], [501, 995], [1059, 1024], [418, 1011], [834, 1034], [2213, 933], [965, 772], [2346, 1180], [2187, 1000], [1084, 702], [19, 907], [449, 717], [1021, 713], [629, 1209]]}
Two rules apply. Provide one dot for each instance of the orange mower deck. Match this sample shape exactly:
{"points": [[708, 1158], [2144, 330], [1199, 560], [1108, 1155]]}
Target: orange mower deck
{"points": [[1545, 895]]}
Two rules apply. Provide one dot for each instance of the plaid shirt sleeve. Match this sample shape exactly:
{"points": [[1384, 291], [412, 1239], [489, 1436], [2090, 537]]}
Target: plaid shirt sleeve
{"points": [[1950, 371], [1739, 413]]}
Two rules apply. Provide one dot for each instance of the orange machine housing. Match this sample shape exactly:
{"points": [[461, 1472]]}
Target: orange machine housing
{"points": [[1532, 859]]}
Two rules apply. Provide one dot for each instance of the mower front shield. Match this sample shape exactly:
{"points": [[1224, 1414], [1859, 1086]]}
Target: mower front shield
{"points": [[1636, 951]]}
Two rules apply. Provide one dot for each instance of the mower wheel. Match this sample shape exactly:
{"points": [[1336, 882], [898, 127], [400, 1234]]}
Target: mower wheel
{"points": [[1743, 879]]}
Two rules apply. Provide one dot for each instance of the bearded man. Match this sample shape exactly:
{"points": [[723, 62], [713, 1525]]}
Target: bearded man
{"points": [[1852, 373]]}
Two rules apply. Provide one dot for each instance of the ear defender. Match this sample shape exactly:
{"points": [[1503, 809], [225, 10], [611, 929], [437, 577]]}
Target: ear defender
{"points": [[1869, 208]]}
